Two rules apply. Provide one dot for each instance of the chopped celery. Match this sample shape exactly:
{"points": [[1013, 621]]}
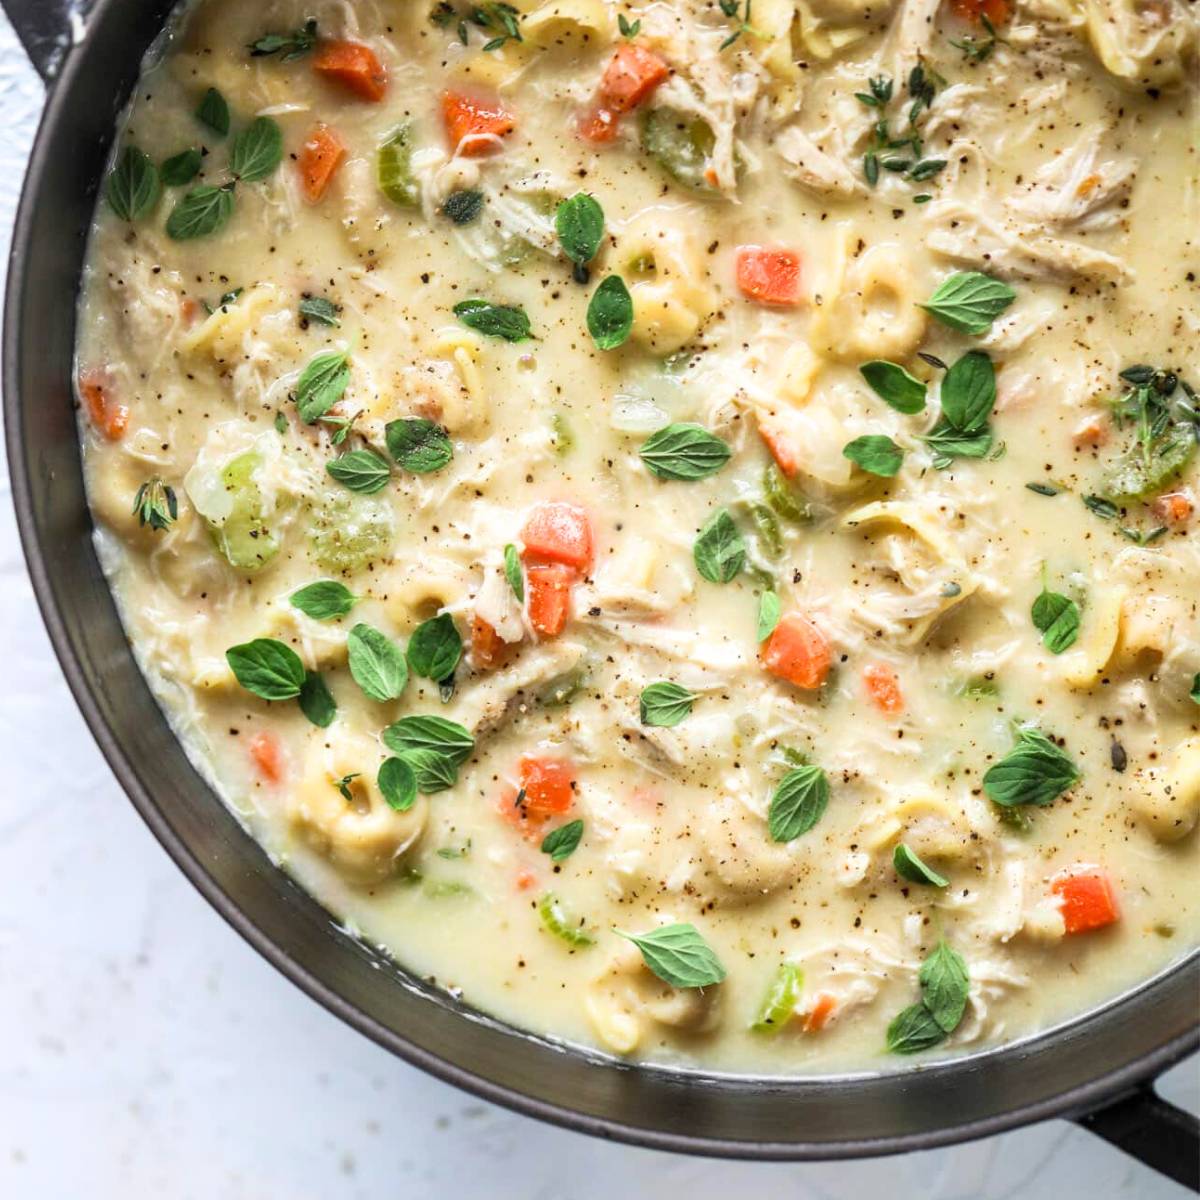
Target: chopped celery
{"points": [[349, 531], [1138, 474], [556, 921], [680, 143], [769, 537], [562, 689], [779, 1004], [232, 506], [782, 497], [394, 168], [564, 438]]}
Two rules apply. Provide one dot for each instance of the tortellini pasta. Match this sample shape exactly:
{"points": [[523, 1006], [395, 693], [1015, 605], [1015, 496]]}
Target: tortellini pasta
{"points": [[1168, 800]]}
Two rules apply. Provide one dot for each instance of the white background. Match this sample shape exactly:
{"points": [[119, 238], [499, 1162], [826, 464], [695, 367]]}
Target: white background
{"points": [[145, 1051]]}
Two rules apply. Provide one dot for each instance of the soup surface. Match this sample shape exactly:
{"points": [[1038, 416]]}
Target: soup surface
{"points": [[677, 521]]}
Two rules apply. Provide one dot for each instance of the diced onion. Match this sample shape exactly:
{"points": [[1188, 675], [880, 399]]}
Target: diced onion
{"points": [[637, 414]]}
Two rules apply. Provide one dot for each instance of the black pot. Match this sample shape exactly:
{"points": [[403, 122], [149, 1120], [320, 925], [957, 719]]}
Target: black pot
{"points": [[1096, 1069]]}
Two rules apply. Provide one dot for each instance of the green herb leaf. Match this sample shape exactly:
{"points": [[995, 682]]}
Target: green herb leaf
{"points": [[434, 772], [1035, 771], [133, 186], [201, 211], [435, 648], [678, 955], [948, 443], [969, 393], [769, 610], [181, 168], [1106, 510], [362, 471], [257, 150], [610, 313], [1195, 692], [556, 921], [875, 454], [944, 986], [376, 663], [779, 1004], [798, 804], [397, 784], [436, 734], [317, 308], [969, 301], [719, 552], [463, 206], [512, 572], [494, 320], [324, 600], [418, 445], [579, 223], [1043, 489], [156, 505], [267, 668], [316, 701], [1056, 617], [562, 842], [914, 1030], [684, 451], [213, 111], [322, 384], [893, 384], [665, 704], [293, 45], [909, 866]]}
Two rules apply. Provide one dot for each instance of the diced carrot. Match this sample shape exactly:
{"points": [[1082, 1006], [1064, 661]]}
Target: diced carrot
{"points": [[549, 588], [111, 418], [547, 790], [488, 648], [996, 11], [1092, 431], [268, 758], [525, 880], [1087, 899], [558, 532], [320, 157], [353, 65], [769, 275], [474, 125], [798, 652], [1173, 508], [783, 450], [598, 125], [884, 688], [189, 310], [818, 1015], [630, 77]]}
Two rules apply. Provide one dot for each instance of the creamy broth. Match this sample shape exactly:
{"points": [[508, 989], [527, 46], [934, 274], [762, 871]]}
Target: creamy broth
{"points": [[915, 701]]}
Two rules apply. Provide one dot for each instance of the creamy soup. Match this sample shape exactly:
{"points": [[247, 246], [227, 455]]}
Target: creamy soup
{"points": [[677, 520]]}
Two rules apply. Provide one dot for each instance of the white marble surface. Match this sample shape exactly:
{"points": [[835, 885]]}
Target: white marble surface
{"points": [[145, 1051]]}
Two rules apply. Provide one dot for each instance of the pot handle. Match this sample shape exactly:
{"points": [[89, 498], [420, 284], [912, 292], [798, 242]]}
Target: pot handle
{"points": [[46, 29], [1152, 1130]]}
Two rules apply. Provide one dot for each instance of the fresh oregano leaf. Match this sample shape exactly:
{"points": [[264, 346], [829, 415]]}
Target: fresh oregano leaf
{"points": [[316, 701], [133, 185], [610, 313], [1035, 771], [798, 804], [512, 572], [213, 111], [322, 384], [494, 320], [969, 393], [944, 986], [181, 168], [1056, 617], [377, 664], [909, 866], [579, 223], [562, 842], [720, 551], [418, 445], [267, 668], [875, 454], [463, 206], [914, 1030], [678, 955], [362, 471], [436, 734], [319, 309], [435, 648], [257, 150], [665, 704], [895, 385], [397, 784], [324, 600], [684, 451], [200, 212], [769, 610], [969, 301]]}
